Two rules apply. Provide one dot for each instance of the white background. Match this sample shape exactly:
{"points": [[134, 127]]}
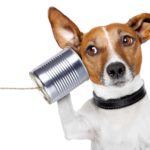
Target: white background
{"points": [[27, 121]]}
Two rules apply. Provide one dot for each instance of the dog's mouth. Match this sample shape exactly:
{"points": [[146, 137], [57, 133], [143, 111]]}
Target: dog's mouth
{"points": [[117, 82]]}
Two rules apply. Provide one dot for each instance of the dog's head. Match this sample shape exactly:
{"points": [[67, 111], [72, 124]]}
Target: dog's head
{"points": [[112, 53]]}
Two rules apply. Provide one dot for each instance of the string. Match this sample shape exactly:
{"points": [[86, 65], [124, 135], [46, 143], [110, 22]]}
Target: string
{"points": [[19, 88]]}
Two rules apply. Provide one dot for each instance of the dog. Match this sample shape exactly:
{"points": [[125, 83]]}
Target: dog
{"points": [[118, 115]]}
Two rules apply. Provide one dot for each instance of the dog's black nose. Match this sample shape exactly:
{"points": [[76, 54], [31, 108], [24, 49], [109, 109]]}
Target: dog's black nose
{"points": [[116, 70]]}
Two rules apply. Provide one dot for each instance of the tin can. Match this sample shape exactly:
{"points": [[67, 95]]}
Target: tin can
{"points": [[59, 75]]}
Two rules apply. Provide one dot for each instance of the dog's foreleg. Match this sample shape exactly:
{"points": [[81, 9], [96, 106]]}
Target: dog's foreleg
{"points": [[75, 125]]}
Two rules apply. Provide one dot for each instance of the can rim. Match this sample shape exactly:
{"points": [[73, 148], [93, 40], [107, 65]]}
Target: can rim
{"points": [[40, 86]]}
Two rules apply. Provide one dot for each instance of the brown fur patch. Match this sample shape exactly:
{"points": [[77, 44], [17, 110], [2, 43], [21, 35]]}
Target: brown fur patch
{"points": [[95, 64], [141, 24], [61, 22]]}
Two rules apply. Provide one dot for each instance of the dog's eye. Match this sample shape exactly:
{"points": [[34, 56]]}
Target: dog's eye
{"points": [[91, 50], [127, 40]]}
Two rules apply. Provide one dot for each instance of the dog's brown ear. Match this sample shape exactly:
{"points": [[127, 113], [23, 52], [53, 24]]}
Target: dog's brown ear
{"points": [[65, 31], [141, 24]]}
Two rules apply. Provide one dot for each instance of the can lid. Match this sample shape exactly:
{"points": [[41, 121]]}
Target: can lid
{"points": [[39, 83]]}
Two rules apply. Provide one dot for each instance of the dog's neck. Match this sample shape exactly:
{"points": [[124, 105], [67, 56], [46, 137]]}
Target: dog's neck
{"points": [[111, 92]]}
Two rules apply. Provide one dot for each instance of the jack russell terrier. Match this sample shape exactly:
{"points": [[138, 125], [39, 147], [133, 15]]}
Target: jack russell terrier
{"points": [[118, 115]]}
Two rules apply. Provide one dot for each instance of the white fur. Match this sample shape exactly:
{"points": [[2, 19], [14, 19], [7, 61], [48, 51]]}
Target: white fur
{"points": [[121, 129], [110, 47], [67, 35]]}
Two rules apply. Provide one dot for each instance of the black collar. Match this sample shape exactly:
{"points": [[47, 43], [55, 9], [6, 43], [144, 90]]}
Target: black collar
{"points": [[120, 102]]}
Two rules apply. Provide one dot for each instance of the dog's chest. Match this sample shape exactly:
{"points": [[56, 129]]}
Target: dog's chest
{"points": [[120, 133], [116, 137], [120, 129]]}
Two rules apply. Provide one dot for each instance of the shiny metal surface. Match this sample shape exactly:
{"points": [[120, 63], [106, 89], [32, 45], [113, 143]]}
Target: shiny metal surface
{"points": [[59, 75]]}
